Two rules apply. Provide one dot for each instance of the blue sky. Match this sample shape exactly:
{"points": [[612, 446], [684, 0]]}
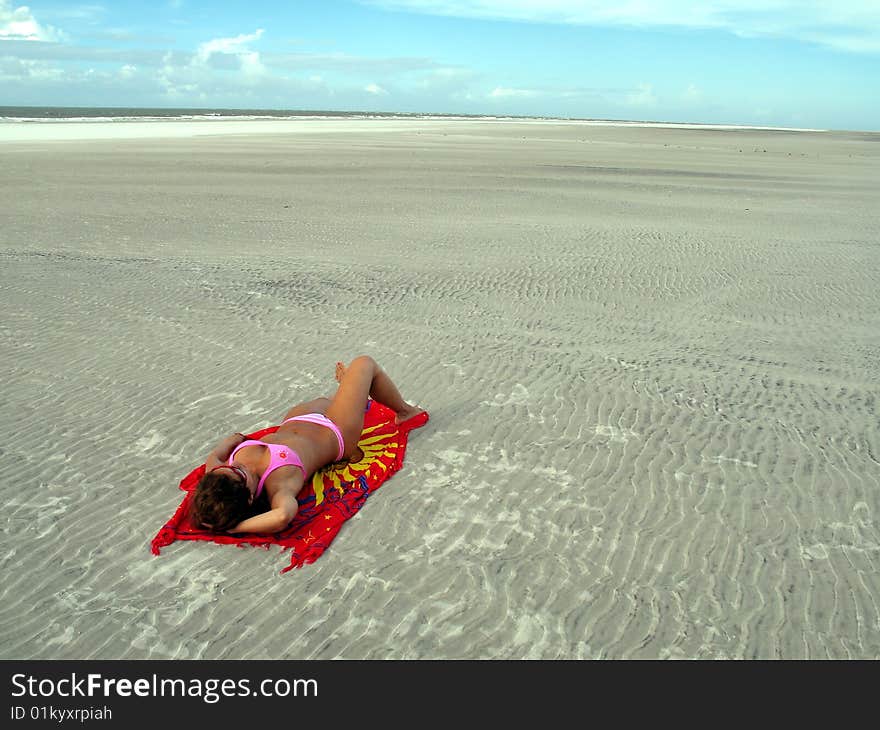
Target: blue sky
{"points": [[802, 63]]}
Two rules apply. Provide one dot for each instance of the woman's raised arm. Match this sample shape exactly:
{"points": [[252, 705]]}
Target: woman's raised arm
{"points": [[284, 509], [220, 453]]}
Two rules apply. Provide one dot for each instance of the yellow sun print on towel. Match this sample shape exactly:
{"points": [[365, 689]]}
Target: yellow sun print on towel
{"points": [[339, 475]]}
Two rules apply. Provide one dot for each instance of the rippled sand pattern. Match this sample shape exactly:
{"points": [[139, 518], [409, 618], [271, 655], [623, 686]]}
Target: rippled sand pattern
{"points": [[652, 360]]}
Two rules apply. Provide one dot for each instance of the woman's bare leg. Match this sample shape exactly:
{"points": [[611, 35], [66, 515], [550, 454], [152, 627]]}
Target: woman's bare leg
{"points": [[362, 379]]}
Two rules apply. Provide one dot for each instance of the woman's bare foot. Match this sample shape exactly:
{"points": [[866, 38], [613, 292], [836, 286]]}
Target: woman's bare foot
{"points": [[406, 413], [340, 371]]}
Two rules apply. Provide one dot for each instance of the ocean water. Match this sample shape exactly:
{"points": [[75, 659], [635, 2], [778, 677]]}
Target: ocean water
{"points": [[18, 114], [121, 114]]}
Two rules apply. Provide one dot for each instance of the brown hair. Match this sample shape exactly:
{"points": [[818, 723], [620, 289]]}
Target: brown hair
{"points": [[220, 501]]}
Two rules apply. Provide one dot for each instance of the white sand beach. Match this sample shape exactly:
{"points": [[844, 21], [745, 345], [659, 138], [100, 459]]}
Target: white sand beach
{"points": [[651, 357]]}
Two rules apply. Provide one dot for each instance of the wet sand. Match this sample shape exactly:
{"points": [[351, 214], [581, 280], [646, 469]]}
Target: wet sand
{"points": [[651, 358]]}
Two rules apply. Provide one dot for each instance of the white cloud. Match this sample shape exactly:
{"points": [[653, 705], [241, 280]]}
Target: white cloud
{"points": [[88, 13], [187, 78], [20, 24], [692, 93], [500, 92], [27, 71], [644, 96], [236, 48], [64, 52], [345, 62], [849, 25], [228, 45], [30, 74], [127, 71], [375, 89], [555, 93], [444, 79]]}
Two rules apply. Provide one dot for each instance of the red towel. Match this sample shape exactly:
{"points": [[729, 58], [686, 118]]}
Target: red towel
{"points": [[329, 497]]}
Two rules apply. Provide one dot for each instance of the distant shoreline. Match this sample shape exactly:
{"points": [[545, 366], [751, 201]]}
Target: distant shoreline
{"points": [[44, 115]]}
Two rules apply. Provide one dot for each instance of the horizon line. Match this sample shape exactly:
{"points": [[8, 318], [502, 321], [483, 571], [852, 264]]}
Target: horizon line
{"points": [[252, 111]]}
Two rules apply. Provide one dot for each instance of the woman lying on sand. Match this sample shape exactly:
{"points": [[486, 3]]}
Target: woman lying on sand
{"points": [[312, 435]]}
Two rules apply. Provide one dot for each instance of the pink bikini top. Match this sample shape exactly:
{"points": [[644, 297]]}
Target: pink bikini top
{"points": [[279, 455]]}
